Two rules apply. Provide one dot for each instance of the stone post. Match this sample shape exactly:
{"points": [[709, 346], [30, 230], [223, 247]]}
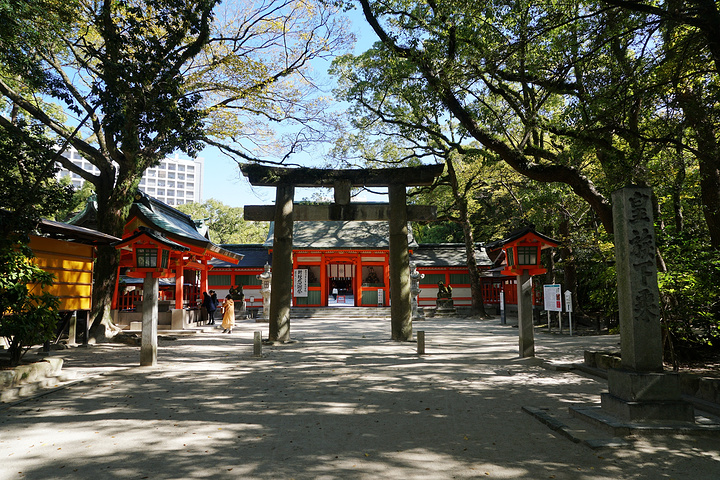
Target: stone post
{"points": [[525, 315], [638, 294], [640, 391], [266, 280], [72, 330], [148, 345], [281, 294], [400, 308], [415, 278]]}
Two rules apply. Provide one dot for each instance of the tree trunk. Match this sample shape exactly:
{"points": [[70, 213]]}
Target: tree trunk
{"points": [[699, 118], [477, 307], [112, 213], [568, 259]]}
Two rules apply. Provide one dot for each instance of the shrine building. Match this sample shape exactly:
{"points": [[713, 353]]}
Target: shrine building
{"points": [[352, 257], [345, 264]]}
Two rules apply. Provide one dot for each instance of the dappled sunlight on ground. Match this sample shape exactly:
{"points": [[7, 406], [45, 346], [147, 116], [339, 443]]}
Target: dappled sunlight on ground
{"points": [[344, 402]]}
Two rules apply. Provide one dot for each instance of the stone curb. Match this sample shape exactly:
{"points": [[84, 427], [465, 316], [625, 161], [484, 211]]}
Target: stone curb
{"points": [[30, 373]]}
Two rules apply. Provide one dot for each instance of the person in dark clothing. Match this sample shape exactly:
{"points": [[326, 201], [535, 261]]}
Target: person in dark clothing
{"points": [[214, 298], [210, 307]]}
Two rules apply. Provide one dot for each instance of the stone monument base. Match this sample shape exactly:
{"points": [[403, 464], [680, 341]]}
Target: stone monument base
{"points": [[646, 397], [445, 307]]}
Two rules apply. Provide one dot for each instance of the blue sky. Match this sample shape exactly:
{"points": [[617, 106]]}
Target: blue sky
{"points": [[222, 180]]}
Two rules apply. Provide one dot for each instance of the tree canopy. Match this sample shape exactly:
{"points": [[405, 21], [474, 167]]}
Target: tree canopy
{"points": [[548, 104], [226, 224], [127, 82]]}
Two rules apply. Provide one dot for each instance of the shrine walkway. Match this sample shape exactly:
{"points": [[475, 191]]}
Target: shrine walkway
{"points": [[344, 402]]}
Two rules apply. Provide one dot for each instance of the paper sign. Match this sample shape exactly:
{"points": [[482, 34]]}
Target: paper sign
{"points": [[301, 282]]}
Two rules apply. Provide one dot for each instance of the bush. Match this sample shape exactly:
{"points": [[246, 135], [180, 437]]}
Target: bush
{"points": [[29, 314]]}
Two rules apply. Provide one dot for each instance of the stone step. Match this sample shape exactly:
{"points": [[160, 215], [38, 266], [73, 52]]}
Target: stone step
{"points": [[339, 312]]}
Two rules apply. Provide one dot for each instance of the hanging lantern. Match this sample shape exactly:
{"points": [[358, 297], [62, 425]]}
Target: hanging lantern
{"points": [[522, 251], [151, 251]]}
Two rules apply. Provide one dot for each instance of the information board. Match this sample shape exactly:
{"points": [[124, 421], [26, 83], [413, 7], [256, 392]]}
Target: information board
{"points": [[552, 295]]}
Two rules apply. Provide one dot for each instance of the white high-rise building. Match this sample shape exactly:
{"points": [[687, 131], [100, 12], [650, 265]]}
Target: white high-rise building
{"points": [[175, 181]]}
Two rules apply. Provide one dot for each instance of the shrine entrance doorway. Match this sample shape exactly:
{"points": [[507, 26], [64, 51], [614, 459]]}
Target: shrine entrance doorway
{"points": [[361, 278], [341, 275]]}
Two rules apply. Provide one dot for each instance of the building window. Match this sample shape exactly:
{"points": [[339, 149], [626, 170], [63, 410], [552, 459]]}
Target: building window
{"points": [[171, 175], [432, 279], [171, 184], [181, 168], [181, 176], [190, 176], [459, 279], [170, 193], [161, 183], [219, 281], [161, 191], [191, 186], [246, 280], [146, 257], [180, 185], [190, 168], [527, 255]]}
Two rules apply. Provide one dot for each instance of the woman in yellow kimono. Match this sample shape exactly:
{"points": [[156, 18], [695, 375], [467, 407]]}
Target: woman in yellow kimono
{"points": [[228, 319]]}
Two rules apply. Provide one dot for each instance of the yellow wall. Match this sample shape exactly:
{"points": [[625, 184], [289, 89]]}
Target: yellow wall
{"points": [[72, 265]]}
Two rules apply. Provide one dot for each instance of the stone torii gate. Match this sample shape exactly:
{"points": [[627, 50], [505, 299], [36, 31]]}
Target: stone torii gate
{"points": [[285, 212]]}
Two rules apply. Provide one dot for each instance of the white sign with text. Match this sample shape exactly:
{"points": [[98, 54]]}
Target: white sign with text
{"points": [[552, 295], [301, 282]]}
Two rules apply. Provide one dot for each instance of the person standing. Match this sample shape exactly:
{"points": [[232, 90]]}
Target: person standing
{"points": [[209, 306], [228, 318], [214, 298]]}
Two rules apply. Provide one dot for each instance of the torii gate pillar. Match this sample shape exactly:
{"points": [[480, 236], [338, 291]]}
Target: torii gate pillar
{"points": [[281, 293], [400, 301], [284, 213]]}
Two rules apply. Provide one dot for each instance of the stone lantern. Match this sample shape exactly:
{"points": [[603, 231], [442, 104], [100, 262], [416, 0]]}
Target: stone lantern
{"points": [[266, 279], [522, 259], [151, 252], [415, 278]]}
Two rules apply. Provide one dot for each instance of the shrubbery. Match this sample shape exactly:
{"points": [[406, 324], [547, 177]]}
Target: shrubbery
{"points": [[29, 314]]}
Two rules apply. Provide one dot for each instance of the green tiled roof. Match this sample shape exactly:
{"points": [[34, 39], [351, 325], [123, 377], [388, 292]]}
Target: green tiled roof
{"points": [[446, 255], [165, 218], [340, 235]]}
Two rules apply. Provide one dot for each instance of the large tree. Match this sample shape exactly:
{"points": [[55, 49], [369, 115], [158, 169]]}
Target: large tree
{"points": [[128, 82], [226, 224]]}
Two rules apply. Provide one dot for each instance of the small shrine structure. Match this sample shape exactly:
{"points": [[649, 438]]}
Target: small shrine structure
{"points": [[184, 253]]}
